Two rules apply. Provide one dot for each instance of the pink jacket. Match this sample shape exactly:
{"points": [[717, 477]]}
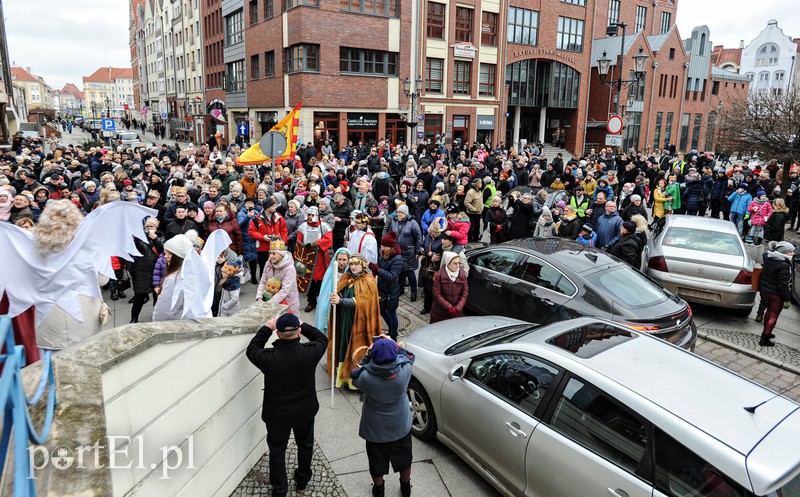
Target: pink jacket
{"points": [[459, 231], [759, 212], [285, 272]]}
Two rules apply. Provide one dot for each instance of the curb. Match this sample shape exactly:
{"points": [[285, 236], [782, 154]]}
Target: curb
{"points": [[749, 352]]}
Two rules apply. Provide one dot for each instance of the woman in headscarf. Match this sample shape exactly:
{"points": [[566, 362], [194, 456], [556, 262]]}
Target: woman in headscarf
{"points": [[450, 289], [175, 251], [341, 258], [280, 266], [358, 319]]}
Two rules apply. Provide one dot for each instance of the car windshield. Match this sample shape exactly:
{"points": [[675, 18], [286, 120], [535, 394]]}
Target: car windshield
{"points": [[702, 241], [128, 136], [491, 337], [627, 287]]}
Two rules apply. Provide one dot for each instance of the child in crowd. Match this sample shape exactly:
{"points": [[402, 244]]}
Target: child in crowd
{"points": [[587, 236]]}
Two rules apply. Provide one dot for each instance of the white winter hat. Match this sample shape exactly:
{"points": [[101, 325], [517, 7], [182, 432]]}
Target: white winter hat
{"points": [[179, 245]]}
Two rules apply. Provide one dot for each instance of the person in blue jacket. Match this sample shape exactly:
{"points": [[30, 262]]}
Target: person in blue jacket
{"points": [[434, 211], [739, 200], [587, 236], [249, 211]]}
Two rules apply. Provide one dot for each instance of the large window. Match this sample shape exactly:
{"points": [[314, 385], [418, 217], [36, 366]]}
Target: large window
{"points": [[570, 34], [523, 26], [464, 24], [582, 3], [657, 136], [234, 28], [641, 18], [613, 12], [433, 126], [489, 29], [698, 121], [269, 64], [462, 71], [234, 76], [767, 55], [666, 21], [434, 75], [268, 9], [373, 7], [436, 18], [290, 4], [367, 62], [486, 80], [302, 58], [253, 11], [566, 84], [668, 129], [685, 119]]}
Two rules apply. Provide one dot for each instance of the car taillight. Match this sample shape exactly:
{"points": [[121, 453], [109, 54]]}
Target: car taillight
{"points": [[646, 328], [744, 278], [657, 264]]}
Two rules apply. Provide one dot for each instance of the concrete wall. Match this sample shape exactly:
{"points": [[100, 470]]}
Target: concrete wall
{"points": [[134, 400]]}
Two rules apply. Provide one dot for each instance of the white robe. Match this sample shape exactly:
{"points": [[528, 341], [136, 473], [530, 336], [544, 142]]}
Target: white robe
{"points": [[364, 243]]}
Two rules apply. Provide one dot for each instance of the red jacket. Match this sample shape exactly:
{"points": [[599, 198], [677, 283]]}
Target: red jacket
{"points": [[231, 226], [448, 294], [262, 229], [458, 230]]}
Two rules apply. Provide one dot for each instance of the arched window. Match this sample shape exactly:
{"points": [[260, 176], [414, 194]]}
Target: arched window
{"points": [[750, 76], [702, 44], [767, 55]]}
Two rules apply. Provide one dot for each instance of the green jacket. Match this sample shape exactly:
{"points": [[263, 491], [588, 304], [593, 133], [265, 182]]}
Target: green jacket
{"points": [[674, 191]]}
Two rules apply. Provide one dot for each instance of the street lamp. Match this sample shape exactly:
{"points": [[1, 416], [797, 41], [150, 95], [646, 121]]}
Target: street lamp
{"points": [[413, 93], [604, 64]]}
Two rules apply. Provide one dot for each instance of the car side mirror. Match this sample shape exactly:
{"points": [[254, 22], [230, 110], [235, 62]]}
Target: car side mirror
{"points": [[457, 372]]}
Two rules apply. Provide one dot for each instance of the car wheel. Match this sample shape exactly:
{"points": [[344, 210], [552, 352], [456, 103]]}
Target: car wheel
{"points": [[423, 419]]}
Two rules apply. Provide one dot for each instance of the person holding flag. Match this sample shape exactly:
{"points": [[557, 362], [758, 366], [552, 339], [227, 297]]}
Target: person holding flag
{"points": [[288, 127]]}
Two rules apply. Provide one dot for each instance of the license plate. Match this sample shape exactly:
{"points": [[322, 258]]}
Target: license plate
{"points": [[698, 294]]}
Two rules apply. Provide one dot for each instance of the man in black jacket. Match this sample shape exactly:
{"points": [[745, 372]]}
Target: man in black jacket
{"points": [[290, 394]]}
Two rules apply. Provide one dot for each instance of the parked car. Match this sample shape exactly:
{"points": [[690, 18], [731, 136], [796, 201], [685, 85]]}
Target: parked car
{"points": [[93, 125], [128, 139], [23, 137], [543, 280], [588, 407], [702, 260]]}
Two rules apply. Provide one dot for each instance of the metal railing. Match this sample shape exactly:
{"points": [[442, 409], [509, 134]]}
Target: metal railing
{"points": [[17, 421]]}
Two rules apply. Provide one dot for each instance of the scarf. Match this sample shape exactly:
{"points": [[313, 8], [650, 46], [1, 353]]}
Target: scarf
{"points": [[446, 258]]}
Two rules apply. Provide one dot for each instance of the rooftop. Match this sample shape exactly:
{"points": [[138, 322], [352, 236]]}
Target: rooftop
{"points": [[610, 46], [21, 74], [108, 74], [719, 73]]}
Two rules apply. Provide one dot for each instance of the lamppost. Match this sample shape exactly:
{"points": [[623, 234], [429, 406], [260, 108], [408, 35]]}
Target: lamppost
{"points": [[413, 93], [94, 120], [604, 63]]}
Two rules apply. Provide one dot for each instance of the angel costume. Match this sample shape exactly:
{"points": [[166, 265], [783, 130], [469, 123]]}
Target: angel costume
{"points": [[64, 286]]}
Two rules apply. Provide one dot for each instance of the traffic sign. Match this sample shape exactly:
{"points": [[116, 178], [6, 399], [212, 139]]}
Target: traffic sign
{"points": [[421, 117], [420, 135], [125, 107], [614, 140], [243, 129], [163, 115], [614, 124], [109, 125], [273, 144]]}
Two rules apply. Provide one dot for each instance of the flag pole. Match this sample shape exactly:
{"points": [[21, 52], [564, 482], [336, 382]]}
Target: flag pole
{"points": [[332, 331]]}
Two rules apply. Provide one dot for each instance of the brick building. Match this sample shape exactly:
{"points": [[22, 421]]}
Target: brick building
{"points": [[213, 36]]}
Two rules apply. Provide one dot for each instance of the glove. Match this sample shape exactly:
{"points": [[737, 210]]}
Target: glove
{"points": [[786, 304], [453, 312], [374, 268]]}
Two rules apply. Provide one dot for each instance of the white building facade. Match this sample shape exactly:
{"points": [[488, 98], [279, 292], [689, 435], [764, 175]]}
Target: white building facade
{"points": [[770, 60]]}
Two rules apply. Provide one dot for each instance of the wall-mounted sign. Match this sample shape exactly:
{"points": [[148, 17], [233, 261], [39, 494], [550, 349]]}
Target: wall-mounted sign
{"points": [[485, 122], [464, 49], [357, 120], [544, 51]]}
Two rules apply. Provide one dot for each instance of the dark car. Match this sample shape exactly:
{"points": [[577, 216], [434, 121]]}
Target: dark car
{"points": [[25, 138], [544, 280]]}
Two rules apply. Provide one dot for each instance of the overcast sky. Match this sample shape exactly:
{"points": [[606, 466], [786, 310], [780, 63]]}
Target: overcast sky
{"points": [[64, 40]]}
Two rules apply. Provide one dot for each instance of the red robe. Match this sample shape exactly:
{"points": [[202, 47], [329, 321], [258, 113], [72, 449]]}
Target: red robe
{"points": [[323, 255], [24, 330]]}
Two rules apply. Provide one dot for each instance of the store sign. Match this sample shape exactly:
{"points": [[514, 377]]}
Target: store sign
{"points": [[485, 122], [613, 140], [544, 51], [362, 121], [465, 49]]}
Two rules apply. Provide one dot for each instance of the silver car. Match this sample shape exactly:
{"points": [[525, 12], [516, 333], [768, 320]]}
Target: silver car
{"points": [[128, 139], [587, 407], [702, 260]]}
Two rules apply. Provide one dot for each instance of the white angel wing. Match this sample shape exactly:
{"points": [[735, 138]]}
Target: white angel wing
{"points": [[19, 276], [196, 279]]}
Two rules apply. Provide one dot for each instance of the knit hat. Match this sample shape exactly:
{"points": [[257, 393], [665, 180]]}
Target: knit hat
{"points": [[383, 351], [781, 247], [287, 322], [179, 245], [546, 211], [403, 208], [435, 202], [208, 204], [389, 240], [561, 204], [268, 202], [635, 197], [760, 193], [629, 226], [587, 228]]}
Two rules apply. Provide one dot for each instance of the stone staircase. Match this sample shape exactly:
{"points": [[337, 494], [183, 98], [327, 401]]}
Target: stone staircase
{"points": [[550, 152]]}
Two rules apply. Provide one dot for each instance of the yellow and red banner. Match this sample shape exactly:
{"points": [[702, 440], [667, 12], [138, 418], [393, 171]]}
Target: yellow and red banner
{"points": [[288, 127]]}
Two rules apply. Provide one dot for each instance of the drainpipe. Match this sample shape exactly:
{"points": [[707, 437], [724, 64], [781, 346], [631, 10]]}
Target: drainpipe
{"points": [[588, 90], [680, 111], [650, 110]]}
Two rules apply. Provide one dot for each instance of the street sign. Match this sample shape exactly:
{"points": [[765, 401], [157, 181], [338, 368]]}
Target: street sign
{"points": [[421, 117], [252, 127], [614, 140], [163, 115], [273, 144], [614, 124], [420, 135], [109, 125], [125, 107], [243, 129]]}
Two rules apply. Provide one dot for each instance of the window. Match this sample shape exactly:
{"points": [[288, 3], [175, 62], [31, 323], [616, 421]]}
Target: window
{"points": [[702, 49], [666, 21], [679, 471], [523, 26], [715, 88], [234, 28], [269, 64], [434, 75], [367, 62], [657, 136], [613, 12], [499, 261], [520, 379], [533, 270], [767, 55], [582, 3], [570, 34], [433, 126], [372, 7], [234, 76], [436, 18], [641, 18], [462, 71], [253, 11], [668, 129], [698, 121], [290, 4], [268, 9], [671, 54], [486, 80], [489, 29], [779, 75], [255, 70], [711, 132], [636, 90], [463, 24], [302, 58], [599, 423], [685, 119]]}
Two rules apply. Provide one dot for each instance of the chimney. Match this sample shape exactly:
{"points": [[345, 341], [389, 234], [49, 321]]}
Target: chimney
{"points": [[741, 43], [28, 68]]}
